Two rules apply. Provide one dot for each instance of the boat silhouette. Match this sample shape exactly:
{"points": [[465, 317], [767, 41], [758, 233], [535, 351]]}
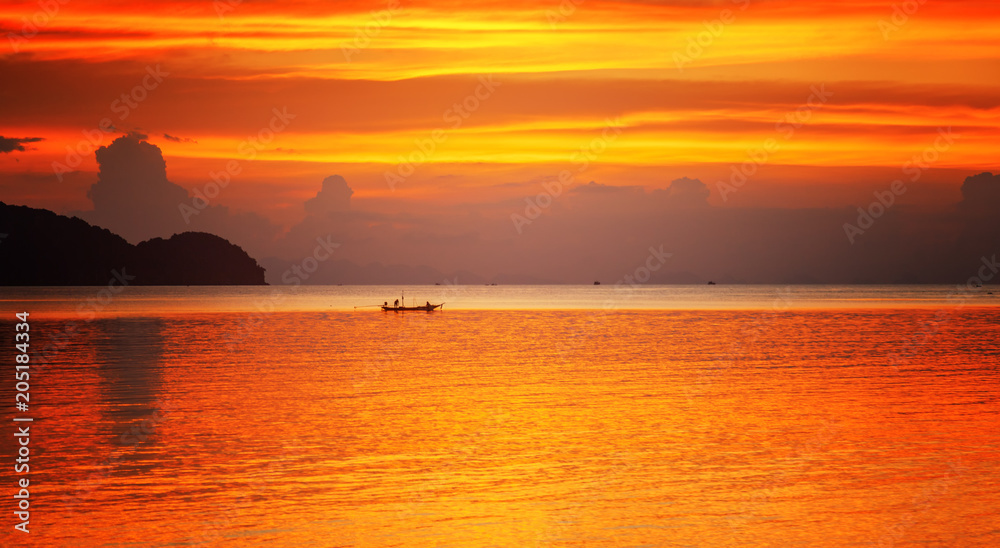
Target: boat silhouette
{"points": [[400, 306], [424, 307]]}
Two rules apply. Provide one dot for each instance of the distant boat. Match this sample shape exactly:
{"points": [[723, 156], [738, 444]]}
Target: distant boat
{"points": [[400, 306], [597, 283], [423, 308], [711, 282]]}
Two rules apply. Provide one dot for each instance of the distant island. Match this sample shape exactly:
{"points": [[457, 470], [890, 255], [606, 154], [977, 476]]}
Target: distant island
{"points": [[39, 247]]}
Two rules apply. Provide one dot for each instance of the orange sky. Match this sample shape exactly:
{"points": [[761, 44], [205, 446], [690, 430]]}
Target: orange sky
{"points": [[561, 73]]}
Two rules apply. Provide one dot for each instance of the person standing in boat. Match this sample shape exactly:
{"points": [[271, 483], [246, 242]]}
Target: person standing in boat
{"points": [[396, 304]]}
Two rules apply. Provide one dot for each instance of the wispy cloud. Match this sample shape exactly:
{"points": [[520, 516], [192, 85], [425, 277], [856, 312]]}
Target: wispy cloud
{"points": [[10, 144]]}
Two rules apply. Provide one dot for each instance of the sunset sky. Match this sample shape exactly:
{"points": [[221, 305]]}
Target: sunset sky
{"points": [[844, 95]]}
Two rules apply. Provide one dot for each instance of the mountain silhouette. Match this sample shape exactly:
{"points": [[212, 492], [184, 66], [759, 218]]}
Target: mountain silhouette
{"points": [[43, 248]]}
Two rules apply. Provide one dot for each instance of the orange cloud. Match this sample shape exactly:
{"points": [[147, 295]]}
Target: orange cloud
{"points": [[692, 83]]}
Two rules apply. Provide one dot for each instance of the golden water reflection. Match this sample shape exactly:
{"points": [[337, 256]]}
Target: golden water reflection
{"points": [[521, 428]]}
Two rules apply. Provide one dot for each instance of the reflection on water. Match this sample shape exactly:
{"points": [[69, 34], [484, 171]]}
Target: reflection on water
{"points": [[520, 428], [128, 354], [258, 301]]}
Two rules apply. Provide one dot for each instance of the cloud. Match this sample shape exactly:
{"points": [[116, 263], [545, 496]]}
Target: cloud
{"points": [[601, 188], [335, 195], [596, 231], [133, 198], [169, 137], [978, 219], [688, 192], [414, 103], [981, 193], [10, 144]]}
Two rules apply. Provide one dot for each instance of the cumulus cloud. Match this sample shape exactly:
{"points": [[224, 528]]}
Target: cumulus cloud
{"points": [[10, 144], [133, 198], [978, 218], [981, 193], [688, 192], [335, 195], [593, 231]]}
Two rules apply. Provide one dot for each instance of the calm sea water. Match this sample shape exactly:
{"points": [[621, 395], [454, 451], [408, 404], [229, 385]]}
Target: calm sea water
{"points": [[517, 416]]}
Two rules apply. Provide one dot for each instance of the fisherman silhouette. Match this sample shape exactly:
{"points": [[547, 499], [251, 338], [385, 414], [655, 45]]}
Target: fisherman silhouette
{"points": [[396, 304]]}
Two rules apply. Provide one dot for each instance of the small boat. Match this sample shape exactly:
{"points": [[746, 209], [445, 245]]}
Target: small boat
{"points": [[711, 282], [597, 283], [424, 308], [400, 306]]}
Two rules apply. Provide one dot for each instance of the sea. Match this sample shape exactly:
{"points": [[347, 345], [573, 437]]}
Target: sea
{"points": [[569, 416]]}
